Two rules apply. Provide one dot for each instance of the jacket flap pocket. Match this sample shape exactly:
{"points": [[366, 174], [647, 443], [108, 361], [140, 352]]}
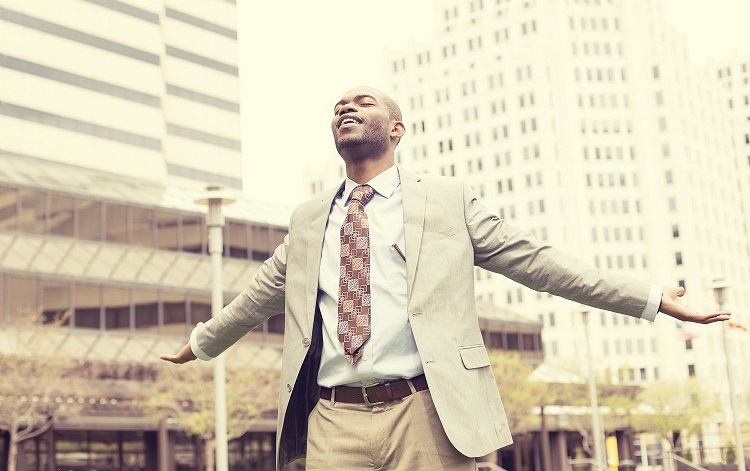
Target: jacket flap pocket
{"points": [[474, 356], [444, 233]]}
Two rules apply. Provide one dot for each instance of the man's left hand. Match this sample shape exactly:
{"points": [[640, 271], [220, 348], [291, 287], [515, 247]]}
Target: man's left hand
{"points": [[671, 306]]}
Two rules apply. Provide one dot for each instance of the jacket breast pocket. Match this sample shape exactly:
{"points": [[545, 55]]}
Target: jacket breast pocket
{"points": [[474, 356]]}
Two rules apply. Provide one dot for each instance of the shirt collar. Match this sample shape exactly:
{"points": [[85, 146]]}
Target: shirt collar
{"points": [[384, 183]]}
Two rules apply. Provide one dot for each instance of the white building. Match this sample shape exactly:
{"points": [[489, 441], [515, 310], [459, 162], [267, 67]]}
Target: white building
{"points": [[114, 115], [143, 88], [734, 77], [582, 121]]}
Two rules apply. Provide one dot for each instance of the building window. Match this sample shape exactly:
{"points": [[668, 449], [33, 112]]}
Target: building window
{"points": [[21, 298], [9, 198]]}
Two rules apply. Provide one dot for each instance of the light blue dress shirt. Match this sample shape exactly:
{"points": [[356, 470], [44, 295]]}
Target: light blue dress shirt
{"points": [[391, 352]]}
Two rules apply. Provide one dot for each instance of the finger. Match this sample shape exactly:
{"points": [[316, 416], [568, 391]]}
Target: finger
{"points": [[715, 317], [169, 358], [680, 291]]}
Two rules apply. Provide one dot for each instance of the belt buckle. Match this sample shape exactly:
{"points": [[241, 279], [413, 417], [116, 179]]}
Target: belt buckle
{"points": [[364, 395]]}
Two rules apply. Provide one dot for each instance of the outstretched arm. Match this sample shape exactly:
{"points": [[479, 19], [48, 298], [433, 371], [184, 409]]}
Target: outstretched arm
{"points": [[515, 253], [263, 297], [671, 306]]}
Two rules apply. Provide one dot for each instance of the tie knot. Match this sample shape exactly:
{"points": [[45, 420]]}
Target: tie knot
{"points": [[363, 194]]}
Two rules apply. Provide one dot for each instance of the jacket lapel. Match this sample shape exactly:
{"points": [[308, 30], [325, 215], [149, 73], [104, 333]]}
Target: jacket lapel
{"points": [[414, 196], [318, 217]]}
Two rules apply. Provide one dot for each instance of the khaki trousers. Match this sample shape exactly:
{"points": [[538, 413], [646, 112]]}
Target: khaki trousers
{"points": [[399, 435]]}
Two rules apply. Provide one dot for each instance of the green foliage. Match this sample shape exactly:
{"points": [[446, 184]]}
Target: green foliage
{"points": [[185, 394], [38, 383], [676, 407], [669, 406], [731, 454], [519, 394]]}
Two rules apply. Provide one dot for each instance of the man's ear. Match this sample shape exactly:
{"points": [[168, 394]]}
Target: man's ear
{"points": [[398, 129]]}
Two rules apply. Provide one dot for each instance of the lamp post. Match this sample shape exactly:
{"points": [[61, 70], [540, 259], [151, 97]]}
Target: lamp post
{"points": [[215, 198], [720, 294], [595, 419]]}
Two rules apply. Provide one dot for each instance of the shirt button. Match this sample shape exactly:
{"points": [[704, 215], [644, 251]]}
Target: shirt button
{"points": [[306, 342], [364, 358], [289, 387]]}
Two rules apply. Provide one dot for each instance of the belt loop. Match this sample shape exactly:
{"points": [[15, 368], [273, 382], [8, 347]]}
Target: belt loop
{"points": [[411, 386], [388, 392], [333, 396]]}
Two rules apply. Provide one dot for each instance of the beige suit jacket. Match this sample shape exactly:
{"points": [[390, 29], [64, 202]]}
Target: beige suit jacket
{"points": [[447, 232]]}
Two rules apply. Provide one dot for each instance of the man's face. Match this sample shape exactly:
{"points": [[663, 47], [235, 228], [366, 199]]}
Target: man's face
{"points": [[361, 119]]}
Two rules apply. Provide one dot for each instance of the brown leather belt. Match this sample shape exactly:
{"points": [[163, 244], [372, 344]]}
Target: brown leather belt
{"points": [[375, 393]]}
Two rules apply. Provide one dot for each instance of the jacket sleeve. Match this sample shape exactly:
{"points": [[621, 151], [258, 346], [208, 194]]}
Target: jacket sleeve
{"points": [[515, 253], [262, 298]]}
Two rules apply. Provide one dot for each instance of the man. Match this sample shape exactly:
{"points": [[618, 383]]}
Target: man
{"points": [[376, 278]]}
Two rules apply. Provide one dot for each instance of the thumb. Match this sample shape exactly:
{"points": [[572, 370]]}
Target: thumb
{"points": [[680, 291]]}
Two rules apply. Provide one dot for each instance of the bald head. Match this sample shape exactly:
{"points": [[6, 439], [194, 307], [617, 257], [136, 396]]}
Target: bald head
{"points": [[393, 109]]}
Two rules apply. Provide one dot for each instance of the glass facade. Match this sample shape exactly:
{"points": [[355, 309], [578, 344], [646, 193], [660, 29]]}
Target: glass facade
{"points": [[109, 450], [103, 450], [252, 452], [49, 213], [114, 308]]}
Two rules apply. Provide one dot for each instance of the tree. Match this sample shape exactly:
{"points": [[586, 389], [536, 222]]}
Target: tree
{"points": [[676, 408], [185, 394], [37, 382], [520, 395]]}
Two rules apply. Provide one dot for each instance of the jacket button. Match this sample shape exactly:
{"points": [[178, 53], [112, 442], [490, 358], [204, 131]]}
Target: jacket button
{"points": [[306, 342], [289, 387]]}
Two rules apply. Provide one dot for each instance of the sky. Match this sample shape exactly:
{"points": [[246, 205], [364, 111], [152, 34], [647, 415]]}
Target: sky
{"points": [[298, 57]]}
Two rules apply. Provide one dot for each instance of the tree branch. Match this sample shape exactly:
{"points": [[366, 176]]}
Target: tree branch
{"points": [[36, 433]]}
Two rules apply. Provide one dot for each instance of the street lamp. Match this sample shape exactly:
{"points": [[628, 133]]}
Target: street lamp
{"points": [[595, 419], [720, 294], [215, 198]]}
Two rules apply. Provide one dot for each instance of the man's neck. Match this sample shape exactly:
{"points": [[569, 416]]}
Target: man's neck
{"points": [[363, 171]]}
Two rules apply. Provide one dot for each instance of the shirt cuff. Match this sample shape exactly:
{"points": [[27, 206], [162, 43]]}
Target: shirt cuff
{"points": [[652, 305], [194, 344]]}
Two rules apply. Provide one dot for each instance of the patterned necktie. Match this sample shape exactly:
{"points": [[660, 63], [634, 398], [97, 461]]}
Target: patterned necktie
{"points": [[354, 276]]}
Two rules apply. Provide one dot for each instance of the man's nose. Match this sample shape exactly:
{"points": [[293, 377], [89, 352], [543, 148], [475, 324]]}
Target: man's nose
{"points": [[347, 108]]}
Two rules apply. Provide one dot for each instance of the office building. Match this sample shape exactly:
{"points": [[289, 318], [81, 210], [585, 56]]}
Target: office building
{"points": [[582, 121], [141, 88], [114, 115]]}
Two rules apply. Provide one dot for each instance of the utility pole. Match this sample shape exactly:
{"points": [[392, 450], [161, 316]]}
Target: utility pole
{"points": [[720, 293], [215, 198], [597, 433]]}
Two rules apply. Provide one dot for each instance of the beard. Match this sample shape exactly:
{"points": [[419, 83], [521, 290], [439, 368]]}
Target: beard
{"points": [[373, 141]]}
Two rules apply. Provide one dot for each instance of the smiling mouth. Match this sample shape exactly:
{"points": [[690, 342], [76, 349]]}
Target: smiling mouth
{"points": [[348, 121]]}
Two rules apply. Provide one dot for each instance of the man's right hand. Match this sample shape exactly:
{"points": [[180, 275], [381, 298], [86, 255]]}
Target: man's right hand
{"points": [[185, 355]]}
